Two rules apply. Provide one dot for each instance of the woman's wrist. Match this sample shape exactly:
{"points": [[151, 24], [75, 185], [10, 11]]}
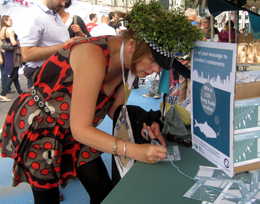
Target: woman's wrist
{"points": [[126, 148], [115, 146]]}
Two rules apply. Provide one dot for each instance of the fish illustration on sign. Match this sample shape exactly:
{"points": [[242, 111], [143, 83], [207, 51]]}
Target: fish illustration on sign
{"points": [[206, 129]]}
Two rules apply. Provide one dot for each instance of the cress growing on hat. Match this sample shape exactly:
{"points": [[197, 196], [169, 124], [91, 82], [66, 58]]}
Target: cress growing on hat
{"points": [[165, 31]]}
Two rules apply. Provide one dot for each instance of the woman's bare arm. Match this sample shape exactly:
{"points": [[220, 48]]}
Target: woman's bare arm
{"points": [[88, 64]]}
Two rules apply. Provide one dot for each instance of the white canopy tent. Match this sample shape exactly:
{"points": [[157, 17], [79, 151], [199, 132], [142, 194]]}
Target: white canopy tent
{"points": [[83, 9], [15, 10]]}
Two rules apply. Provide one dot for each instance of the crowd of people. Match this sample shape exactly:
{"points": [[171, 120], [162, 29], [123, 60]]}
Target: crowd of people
{"points": [[52, 124], [76, 27], [206, 29]]}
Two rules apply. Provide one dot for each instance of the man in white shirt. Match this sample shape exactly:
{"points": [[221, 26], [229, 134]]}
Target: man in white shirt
{"points": [[103, 29], [42, 34]]}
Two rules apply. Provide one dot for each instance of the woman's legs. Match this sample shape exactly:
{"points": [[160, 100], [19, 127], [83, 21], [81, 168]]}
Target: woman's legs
{"points": [[93, 176], [30, 81], [50, 196], [11, 79], [95, 179], [4, 77], [16, 80]]}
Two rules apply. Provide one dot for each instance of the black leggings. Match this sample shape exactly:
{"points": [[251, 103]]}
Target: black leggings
{"points": [[93, 176]]}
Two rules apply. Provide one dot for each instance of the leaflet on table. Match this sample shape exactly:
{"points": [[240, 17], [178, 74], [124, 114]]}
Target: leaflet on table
{"points": [[247, 115], [173, 153], [212, 94], [214, 186], [247, 148]]}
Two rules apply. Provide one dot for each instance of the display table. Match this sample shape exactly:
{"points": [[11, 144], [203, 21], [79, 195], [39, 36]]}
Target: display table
{"points": [[160, 182]]}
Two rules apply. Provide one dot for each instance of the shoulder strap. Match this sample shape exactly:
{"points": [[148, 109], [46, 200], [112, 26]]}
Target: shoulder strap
{"points": [[5, 33], [75, 22]]}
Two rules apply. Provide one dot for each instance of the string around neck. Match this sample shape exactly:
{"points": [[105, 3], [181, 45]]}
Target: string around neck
{"points": [[122, 60]]}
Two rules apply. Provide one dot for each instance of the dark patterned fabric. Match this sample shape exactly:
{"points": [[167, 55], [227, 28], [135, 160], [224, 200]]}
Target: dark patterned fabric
{"points": [[43, 149]]}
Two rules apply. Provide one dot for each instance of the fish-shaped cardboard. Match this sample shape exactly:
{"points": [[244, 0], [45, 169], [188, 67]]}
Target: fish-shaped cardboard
{"points": [[206, 129]]}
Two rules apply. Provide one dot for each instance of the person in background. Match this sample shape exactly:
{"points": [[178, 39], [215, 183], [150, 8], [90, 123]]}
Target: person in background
{"points": [[224, 33], [1, 65], [37, 42], [184, 84], [4, 77], [199, 20], [207, 28], [7, 33], [113, 17], [174, 92], [75, 28], [192, 17], [54, 125], [216, 31], [136, 83], [93, 20], [103, 28], [155, 82]]}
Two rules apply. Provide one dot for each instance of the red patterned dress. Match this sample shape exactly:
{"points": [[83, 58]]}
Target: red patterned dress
{"points": [[37, 135]]}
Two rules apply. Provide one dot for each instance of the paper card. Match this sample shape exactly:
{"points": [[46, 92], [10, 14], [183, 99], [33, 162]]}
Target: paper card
{"points": [[212, 98], [174, 153]]}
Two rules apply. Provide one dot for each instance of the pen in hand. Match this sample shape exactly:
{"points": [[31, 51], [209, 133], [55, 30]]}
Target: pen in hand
{"points": [[153, 142]]}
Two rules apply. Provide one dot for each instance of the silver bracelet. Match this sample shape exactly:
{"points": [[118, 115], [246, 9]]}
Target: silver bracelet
{"points": [[115, 146], [124, 150]]}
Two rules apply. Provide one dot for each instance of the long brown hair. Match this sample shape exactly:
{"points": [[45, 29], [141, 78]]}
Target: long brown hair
{"points": [[141, 48], [3, 19]]}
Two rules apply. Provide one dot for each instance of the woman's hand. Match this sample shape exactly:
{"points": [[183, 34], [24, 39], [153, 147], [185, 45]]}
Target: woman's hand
{"points": [[77, 30], [153, 132], [150, 154], [71, 40]]}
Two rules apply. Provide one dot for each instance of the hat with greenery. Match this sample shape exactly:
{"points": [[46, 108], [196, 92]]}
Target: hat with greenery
{"points": [[165, 31]]}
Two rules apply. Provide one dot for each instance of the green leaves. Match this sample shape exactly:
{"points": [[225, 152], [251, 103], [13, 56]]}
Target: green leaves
{"points": [[168, 28]]}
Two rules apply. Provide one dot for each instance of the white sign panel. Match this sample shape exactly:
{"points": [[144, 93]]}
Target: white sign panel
{"points": [[212, 92]]}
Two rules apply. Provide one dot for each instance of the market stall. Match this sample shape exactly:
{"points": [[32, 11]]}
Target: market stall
{"points": [[216, 85]]}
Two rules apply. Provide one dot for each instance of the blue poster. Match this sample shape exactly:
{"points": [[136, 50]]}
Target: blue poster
{"points": [[212, 90]]}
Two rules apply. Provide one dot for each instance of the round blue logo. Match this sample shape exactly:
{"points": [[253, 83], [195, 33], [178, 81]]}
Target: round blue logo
{"points": [[226, 163]]}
